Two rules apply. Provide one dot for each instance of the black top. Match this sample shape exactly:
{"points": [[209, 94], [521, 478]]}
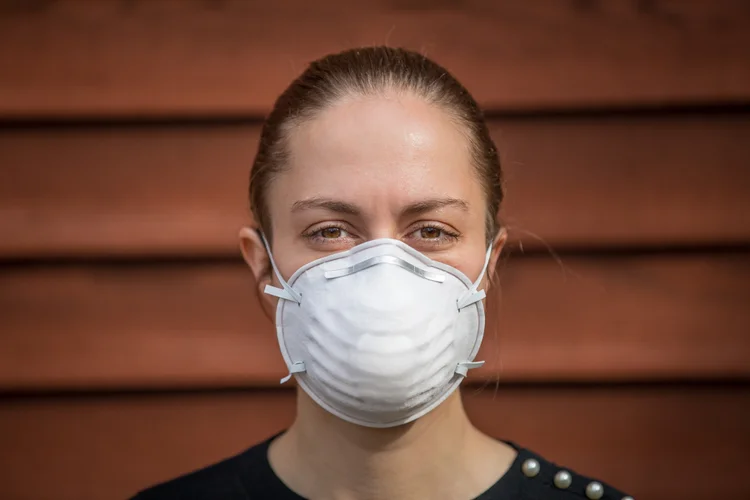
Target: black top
{"points": [[249, 476]]}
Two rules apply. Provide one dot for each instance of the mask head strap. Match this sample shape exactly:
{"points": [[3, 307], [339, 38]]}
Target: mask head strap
{"points": [[472, 295], [286, 292]]}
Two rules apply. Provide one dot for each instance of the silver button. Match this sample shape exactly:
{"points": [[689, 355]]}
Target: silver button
{"points": [[627, 498], [594, 490], [563, 479], [530, 468]]}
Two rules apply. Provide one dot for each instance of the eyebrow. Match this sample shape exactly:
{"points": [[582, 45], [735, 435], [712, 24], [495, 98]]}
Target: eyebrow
{"points": [[429, 205], [412, 210], [327, 204]]}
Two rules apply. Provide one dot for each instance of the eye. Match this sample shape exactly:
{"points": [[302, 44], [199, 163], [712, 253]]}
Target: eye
{"points": [[331, 233], [430, 233]]}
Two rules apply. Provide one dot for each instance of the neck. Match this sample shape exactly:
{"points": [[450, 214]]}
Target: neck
{"points": [[440, 455]]}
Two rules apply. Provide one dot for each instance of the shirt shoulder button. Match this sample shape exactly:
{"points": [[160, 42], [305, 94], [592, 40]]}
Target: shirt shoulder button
{"points": [[563, 479], [530, 467], [594, 490]]}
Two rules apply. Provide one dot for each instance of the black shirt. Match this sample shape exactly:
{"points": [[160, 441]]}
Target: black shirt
{"points": [[249, 476]]}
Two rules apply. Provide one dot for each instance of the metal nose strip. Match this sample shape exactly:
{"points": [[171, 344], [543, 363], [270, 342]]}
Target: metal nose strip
{"points": [[384, 259]]}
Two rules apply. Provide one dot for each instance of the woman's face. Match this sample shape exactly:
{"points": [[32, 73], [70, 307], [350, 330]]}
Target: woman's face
{"points": [[375, 167]]}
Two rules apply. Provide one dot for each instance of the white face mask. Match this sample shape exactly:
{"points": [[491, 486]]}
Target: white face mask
{"points": [[379, 335]]}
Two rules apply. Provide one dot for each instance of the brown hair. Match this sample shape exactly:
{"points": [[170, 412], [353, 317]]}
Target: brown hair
{"points": [[370, 71]]}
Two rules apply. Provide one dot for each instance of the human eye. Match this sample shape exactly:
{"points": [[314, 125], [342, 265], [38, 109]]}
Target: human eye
{"points": [[328, 234], [432, 233]]}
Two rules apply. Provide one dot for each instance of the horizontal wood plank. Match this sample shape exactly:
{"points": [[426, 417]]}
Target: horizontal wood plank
{"points": [[186, 325], [643, 439], [191, 58], [571, 182]]}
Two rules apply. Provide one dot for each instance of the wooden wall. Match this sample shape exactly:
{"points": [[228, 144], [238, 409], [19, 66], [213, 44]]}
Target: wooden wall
{"points": [[132, 347]]}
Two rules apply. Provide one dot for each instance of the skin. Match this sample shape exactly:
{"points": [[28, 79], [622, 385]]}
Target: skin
{"points": [[388, 166]]}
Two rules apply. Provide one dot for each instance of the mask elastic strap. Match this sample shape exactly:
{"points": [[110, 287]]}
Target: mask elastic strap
{"points": [[286, 293], [472, 295], [298, 367], [464, 366]]}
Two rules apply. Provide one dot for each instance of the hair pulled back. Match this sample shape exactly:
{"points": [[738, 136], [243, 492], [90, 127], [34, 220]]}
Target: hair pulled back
{"points": [[366, 72]]}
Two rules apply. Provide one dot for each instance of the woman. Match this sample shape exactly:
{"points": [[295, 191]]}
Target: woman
{"points": [[376, 190]]}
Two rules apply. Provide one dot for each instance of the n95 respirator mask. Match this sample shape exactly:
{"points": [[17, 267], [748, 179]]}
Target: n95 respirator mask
{"points": [[381, 334]]}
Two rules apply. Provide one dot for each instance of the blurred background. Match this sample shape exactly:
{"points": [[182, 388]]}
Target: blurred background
{"points": [[132, 346]]}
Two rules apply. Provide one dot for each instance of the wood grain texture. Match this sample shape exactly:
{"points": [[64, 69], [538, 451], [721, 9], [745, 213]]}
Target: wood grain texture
{"points": [[621, 181], [200, 325], [629, 361], [644, 439], [109, 447], [190, 58]]}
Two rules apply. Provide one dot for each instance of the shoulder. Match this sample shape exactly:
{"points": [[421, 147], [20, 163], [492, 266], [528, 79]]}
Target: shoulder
{"points": [[542, 479], [220, 481]]}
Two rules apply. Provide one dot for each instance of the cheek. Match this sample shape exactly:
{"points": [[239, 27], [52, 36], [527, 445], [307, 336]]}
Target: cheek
{"points": [[289, 253], [288, 262], [469, 260], [270, 303]]}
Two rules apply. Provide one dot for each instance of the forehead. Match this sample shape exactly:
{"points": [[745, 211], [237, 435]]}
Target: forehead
{"points": [[394, 148]]}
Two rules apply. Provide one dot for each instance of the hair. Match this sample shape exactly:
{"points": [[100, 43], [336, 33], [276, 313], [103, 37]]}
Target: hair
{"points": [[365, 72]]}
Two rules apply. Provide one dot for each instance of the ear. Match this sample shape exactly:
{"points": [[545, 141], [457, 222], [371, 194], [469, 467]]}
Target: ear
{"points": [[497, 248], [256, 257]]}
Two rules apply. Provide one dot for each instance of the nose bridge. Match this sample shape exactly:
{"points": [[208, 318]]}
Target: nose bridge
{"points": [[381, 233], [383, 225], [381, 217]]}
